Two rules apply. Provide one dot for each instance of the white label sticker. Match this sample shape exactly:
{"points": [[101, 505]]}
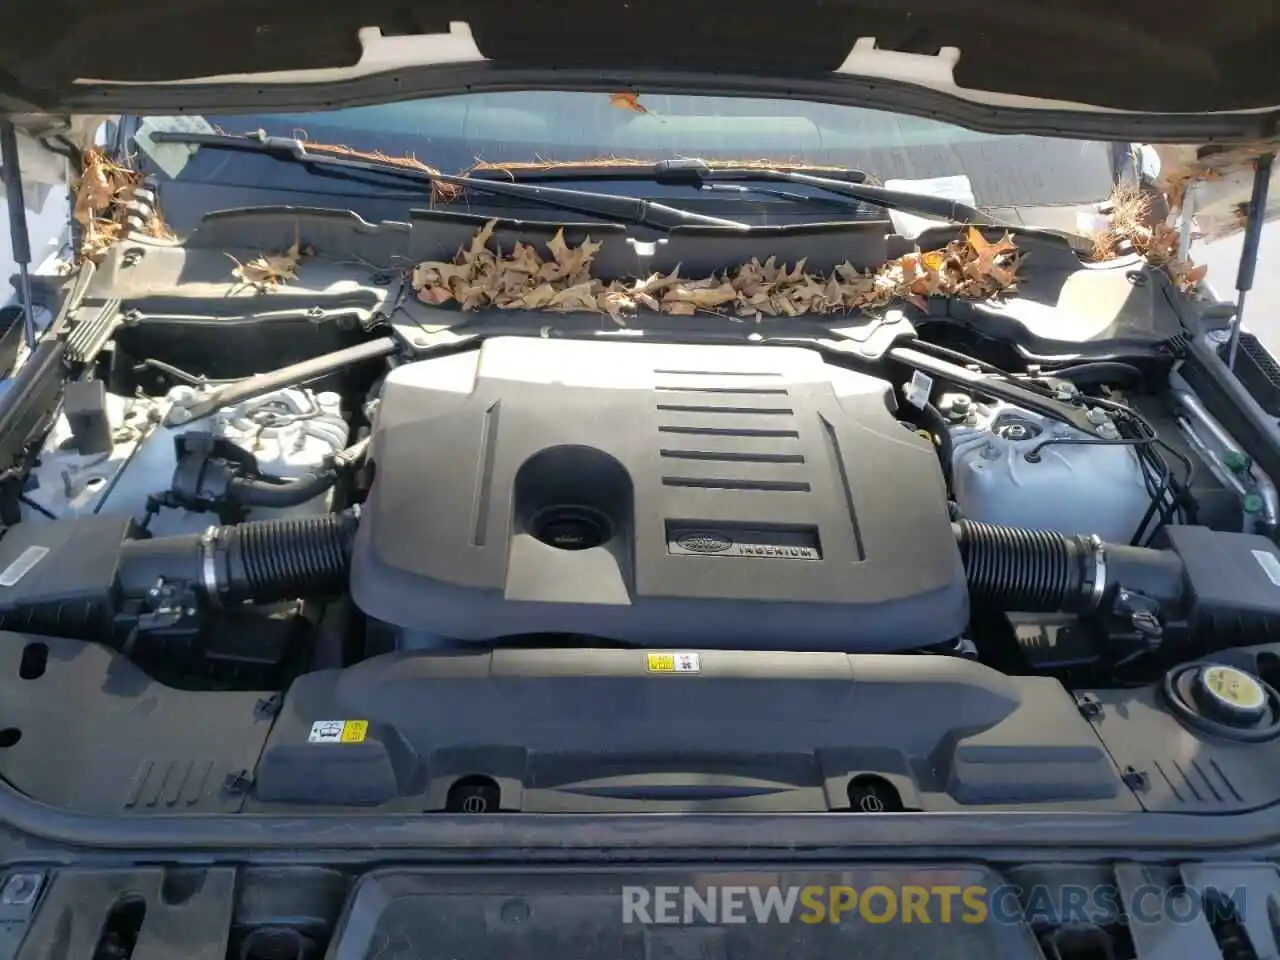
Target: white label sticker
{"points": [[172, 158], [338, 731], [20, 567], [1269, 564], [950, 188], [918, 390], [674, 662]]}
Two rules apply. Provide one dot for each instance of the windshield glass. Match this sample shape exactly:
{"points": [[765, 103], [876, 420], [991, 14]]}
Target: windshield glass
{"points": [[454, 134]]}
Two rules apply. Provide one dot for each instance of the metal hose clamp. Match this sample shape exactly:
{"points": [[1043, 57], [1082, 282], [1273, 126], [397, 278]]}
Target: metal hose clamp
{"points": [[209, 565], [1099, 585]]}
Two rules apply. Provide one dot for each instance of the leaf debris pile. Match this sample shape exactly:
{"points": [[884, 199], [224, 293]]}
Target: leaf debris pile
{"points": [[267, 271], [971, 267], [102, 199], [1134, 227]]}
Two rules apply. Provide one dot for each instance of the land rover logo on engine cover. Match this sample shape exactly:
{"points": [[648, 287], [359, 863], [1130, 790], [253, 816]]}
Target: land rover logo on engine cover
{"points": [[799, 543], [704, 542]]}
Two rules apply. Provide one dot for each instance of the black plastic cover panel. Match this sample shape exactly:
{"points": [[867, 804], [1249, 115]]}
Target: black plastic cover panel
{"points": [[82, 728], [721, 496], [725, 731], [550, 915]]}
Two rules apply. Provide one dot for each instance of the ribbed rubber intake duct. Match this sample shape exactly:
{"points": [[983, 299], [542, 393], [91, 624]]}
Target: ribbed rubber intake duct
{"points": [[261, 560], [1031, 570], [1041, 571]]}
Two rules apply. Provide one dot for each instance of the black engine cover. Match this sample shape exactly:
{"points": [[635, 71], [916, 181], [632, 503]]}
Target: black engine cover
{"points": [[654, 494]]}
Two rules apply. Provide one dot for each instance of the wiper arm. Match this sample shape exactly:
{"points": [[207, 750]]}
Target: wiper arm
{"points": [[699, 173], [617, 208], [847, 184]]}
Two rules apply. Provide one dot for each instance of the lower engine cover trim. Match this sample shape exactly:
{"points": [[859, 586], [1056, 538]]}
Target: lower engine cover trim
{"points": [[719, 496]]}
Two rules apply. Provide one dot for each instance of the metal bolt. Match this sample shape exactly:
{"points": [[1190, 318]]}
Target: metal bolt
{"points": [[1134, 778], [1097, 415], [20, 889], [957, 407], [1089, 706], [1107, 431]]}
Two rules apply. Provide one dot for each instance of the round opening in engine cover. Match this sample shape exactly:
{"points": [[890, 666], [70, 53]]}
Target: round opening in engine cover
{"points": [[573, 497], [571, 527], [1223, 700]]}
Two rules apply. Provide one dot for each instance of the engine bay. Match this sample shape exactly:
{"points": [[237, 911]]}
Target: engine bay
{"points": [[516, 570]]}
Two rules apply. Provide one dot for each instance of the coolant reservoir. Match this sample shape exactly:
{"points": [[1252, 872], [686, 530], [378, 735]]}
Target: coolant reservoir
{"points": [[1068, 487]]}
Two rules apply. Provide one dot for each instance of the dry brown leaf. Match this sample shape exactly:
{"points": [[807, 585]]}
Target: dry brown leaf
{"points": [[1196, 274], [269, 270], [580, 297], [703, 295], [987, 252], [94, 195], [627, 101]]}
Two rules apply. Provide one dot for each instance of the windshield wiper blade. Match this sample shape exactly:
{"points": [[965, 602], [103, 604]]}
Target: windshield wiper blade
{"points": [[622, 209], [849, 204], [699, 173], [849, 185]]}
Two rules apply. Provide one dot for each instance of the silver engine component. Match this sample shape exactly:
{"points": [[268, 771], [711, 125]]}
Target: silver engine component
{"points": [[1259, 502], [289, 432], [1004, 472]]}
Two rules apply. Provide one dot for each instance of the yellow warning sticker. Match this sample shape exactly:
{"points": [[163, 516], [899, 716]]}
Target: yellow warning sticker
{"points": [[338, 731], [673, 662]]}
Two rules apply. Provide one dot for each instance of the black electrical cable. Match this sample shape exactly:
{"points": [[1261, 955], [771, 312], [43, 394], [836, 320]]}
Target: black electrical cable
{"points": [[1033, 455], [1095, 372], [177, 373], [23, 498], [1157, 495], [932, 420], [275, 492], [946, 353]]}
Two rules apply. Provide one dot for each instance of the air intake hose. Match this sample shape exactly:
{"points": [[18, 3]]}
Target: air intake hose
{"points": [[1042, 571], [261, 560]]}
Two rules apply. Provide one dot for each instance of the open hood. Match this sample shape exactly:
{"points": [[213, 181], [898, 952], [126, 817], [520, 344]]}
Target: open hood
{"points": [[1176, 71]]}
